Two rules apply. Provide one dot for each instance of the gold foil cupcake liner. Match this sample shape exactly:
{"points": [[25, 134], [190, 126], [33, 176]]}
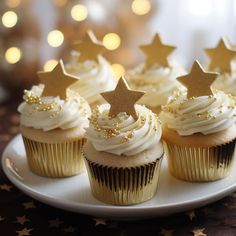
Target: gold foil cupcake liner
{"points": [[123, 186], [55, 159], [200, 164]]}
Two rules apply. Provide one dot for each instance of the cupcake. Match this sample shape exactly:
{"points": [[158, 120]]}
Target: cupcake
{"points": [[95, 72], [199, 129], [53, 122], [222, 60], [123, 153], [156, 77]]}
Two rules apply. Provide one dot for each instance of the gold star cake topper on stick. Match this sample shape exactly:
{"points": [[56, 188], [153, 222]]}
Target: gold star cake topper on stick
{"points": [[122, 99], [56, 81], [198, 82], [157, 52], [89, 48], [221, 56]]}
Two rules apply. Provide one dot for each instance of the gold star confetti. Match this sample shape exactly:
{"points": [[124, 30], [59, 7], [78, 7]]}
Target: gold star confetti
{"points": [[24, 232], [55, 223], [191, 215], [69, 229], [221, 56], [198, 82], [21, 219], [6, 187], [122, 99], [29, 205], [1, 218], [157, 52], [57, 81], [166, 232], [100, 221], [89, 48], [199, 232]]}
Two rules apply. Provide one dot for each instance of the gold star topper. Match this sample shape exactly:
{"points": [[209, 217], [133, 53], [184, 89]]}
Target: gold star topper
{"points": [[122, 99], [56, 81], [198, 82], [157, 52], [89, 48], [221, 56]]}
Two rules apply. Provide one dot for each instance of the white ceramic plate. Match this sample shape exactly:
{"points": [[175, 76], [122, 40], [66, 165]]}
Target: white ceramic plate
{"points": [[73, 194]]}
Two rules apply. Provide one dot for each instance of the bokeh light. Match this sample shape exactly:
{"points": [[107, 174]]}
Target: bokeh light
{"points": [[79, 12], [50, 64], [9, 19], [97, 11], [55, 38], [13, 3], [141, 7], [111, 41], [118, 70], [13, 55]]}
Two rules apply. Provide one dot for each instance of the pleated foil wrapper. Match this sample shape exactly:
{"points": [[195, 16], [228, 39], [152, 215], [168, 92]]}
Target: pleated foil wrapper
{"points": [[123, 186], [198, 164], [55, 160]]}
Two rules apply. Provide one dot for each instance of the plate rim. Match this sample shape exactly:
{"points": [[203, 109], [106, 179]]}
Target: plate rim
{"points": [[86, 208]]}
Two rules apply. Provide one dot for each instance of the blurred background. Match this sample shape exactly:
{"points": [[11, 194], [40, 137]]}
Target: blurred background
{"points": [[36, 33]]}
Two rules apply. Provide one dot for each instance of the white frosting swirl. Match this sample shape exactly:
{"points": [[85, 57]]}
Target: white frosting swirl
{"points": [[63, 114], [227, 81], [158, 82], [122, 135], [204, 114], [95, 78]]}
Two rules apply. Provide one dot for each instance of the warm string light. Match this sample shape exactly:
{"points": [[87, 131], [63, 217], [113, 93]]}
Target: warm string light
{"points": [[50, 64], [111, 41], [118, 70], [13, 55], [79, 12], [141, 7], [9, 19], [55, 38]]}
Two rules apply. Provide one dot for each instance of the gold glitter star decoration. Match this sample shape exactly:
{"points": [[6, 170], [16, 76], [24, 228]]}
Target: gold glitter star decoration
{"points": [[122, 99], [29, 205], [157, 52], [198, 82], [22, 219], [221, 56], [57, 81], [89, 48], [199, 232], [24, 232], [6, 187]]}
